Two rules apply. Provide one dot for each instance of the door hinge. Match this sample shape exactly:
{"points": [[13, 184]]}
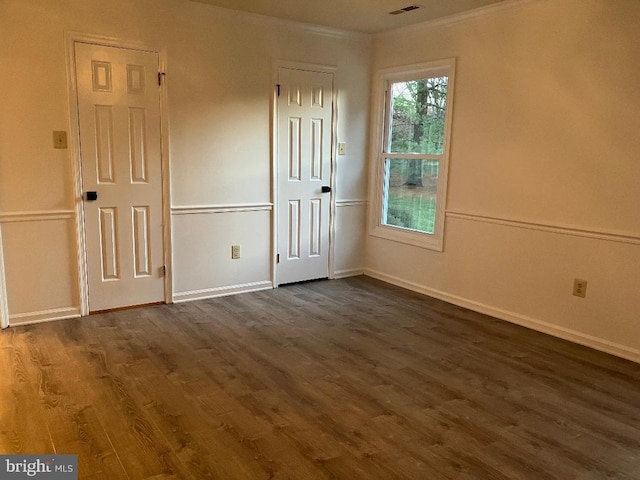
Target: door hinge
{"points": [[160, 75], [164, 270], [278, 258], [278, 89]]}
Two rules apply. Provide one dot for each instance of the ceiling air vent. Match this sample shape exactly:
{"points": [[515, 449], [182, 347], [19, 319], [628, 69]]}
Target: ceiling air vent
{"points": [[405, 9]]}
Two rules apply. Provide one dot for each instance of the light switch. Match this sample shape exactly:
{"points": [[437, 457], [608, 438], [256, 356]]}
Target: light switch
{"points": [[59, 139], [342, 148]]}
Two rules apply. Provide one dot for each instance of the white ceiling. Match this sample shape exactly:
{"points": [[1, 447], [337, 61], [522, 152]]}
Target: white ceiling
{"points": [[368, 16]]}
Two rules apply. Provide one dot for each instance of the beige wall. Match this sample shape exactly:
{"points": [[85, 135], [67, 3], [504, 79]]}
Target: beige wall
{"points": [[219, 84], [544, 181], [544, 173]]}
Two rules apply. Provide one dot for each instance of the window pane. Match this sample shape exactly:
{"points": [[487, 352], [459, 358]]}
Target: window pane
{"points": [[417, 121], [410, 194]]}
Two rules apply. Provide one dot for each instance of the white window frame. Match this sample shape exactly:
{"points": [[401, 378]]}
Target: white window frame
{"points": [[379, 146]]}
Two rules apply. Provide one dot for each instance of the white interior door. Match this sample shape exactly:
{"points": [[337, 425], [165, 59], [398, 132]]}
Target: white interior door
{"points": [[304, 129], [120, 148]]}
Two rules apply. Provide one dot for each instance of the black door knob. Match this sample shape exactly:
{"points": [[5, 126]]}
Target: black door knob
{"points": [[326, 189], [91, 196]]}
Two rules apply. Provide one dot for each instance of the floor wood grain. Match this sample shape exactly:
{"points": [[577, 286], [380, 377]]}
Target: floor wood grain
{"points": [[345, 379]]}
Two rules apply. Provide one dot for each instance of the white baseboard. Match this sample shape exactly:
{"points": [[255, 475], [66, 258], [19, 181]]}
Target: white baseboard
{"points": [[180, 297], [522, 320], [352, 272], [43, 316]]}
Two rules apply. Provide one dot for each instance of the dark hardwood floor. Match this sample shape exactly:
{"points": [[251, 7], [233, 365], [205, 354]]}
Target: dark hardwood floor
{"points": [[347, 379]]}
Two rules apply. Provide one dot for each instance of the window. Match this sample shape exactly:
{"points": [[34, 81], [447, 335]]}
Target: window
{"points": [[412, 143]]}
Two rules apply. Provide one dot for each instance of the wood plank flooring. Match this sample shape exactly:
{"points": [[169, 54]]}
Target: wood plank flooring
{"points": [[345, 379]]}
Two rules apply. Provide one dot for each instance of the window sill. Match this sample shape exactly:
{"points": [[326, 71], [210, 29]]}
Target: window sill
{"points": [[408, 237]]}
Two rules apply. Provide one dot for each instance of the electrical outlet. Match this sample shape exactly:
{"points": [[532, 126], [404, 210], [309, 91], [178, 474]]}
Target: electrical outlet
{"points": [[60, 140], [579, 287], [235, 252], [342, 148]]}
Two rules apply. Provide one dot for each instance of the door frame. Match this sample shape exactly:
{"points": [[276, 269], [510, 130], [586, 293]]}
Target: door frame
{"points": [[71, 38], [4, 306], [309, 67]]}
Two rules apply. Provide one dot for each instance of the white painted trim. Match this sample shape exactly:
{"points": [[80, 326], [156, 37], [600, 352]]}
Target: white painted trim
{"points": [[209, 209], [512, 317], [307, 67], [466, 16], [273, 152], [105, 41], [319, 30], [74, 150], [202, 294], [44, 316], [74, 144], [381, 104], [165, 160], [37, 216], [351, 272], [352, 203], [4, 305], [276, 64], [323, 31], [333, 175], [573, 230]]}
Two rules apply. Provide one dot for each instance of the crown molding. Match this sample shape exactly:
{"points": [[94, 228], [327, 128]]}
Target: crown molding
{"points": [[275, 22], [311, 28], [480, 12]]}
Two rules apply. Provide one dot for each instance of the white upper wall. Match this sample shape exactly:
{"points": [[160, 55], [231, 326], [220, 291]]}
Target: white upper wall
{"points": [[544, 178], [545, 114], [219, 66]]}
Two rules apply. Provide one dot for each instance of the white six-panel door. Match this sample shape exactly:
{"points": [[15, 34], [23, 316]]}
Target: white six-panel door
{"points": [[120, 148], [304, 130]]}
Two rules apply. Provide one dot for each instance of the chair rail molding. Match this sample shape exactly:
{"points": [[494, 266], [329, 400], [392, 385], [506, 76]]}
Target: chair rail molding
{"points": [[36, 216], [211, 209], [357, 202], [573, 230]]}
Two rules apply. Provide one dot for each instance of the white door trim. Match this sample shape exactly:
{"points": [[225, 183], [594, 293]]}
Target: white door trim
{"points": [[4, 306], [311, 67], [71, 38]]}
